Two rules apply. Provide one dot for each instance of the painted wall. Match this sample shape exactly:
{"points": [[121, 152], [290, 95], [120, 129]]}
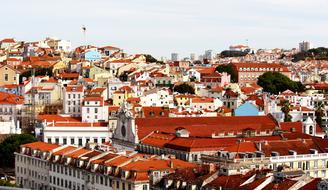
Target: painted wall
{"points": [[247, 109]]}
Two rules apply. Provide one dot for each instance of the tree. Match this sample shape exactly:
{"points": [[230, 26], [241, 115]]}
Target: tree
{"points": [[123, 76], [184, 88], [11, 145], [286, 109], [275, 82], [38, 72], [228, 69], [151, 59]]}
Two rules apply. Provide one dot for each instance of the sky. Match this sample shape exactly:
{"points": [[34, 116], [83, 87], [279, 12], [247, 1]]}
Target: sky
{"points": [[160, 27]]}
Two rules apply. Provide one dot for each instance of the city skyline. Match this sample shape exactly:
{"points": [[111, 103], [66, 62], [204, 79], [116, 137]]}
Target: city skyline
{"points": [[160, 28]]}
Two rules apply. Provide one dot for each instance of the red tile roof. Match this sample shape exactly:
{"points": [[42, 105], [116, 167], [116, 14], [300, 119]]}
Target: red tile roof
{"points": [[289, 126], [8, 40], [204, 126], [72, 88], [58, 118], [42, 146], [157, 164], [11, 99]]}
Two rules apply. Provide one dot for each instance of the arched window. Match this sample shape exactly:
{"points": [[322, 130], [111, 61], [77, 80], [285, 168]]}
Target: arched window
{"points": [[311, 130]]}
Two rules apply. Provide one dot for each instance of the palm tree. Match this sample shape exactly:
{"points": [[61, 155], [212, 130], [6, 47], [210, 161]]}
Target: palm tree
{"points": [[286, 109], [319, 112]]}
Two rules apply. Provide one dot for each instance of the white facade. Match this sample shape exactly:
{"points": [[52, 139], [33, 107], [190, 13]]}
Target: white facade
{"points": [[94, 111], [76, 134], [114, 85], [10, 127], [72, 101], [158, 98]]}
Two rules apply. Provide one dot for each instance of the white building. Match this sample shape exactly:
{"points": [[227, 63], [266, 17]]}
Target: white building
{"points": [[73, 96], [75, 133], [41, 165], [94, 109], [113, 85], [158, 98]]}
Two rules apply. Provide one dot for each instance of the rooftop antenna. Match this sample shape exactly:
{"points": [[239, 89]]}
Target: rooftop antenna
{"points": [[246, 42], [84, 31]]}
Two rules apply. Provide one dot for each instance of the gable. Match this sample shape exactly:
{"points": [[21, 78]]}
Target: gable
{"points": [[247, 109]]}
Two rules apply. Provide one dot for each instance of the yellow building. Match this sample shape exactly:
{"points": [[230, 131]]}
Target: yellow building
{"points": [[8, 75], [122, 94], [58, 67], [183, 99]]}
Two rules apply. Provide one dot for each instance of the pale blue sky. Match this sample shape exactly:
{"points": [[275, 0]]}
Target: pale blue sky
{"points": [[160, 27]]}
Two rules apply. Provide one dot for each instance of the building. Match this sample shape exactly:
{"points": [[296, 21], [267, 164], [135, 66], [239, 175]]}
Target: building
{"points": [[73, 97], [91, 55], [94, 109], [11, 107], [208, 54], [186, 137], [192, 56], [239, 48], [304, 46], [58, 44], [174, 57], [308, 155], [42, 165], [8, 75], [249, 72]]}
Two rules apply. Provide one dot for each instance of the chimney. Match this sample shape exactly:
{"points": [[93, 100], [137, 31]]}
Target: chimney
{"points": [[260, 146], [171, 164]]}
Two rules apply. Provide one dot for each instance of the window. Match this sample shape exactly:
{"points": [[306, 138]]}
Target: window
{"points": [[6, 77], [72, 140], [96, 110], [145, 187], [117, 184]]}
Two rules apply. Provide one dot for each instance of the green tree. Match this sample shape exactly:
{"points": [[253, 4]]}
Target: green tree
{"points": [[228, 69], [184, 88], [275, 82], [151, 59], [286, 109], [11, 145]]}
